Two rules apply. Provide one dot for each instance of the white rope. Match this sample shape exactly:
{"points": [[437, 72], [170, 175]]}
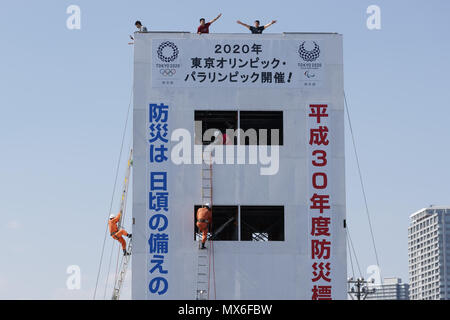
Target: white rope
{"points": [[363, 189], [354, 253], [113, 192]]}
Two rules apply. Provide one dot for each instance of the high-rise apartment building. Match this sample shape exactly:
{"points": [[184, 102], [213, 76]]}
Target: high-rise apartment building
{"points": [[429, 252]]}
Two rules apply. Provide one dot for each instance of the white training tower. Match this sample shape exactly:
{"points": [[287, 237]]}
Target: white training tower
{"points": [[278, 229]]}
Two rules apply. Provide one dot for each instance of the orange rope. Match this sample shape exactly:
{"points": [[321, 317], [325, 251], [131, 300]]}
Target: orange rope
{"points": [[214, 271], [209, 269]]}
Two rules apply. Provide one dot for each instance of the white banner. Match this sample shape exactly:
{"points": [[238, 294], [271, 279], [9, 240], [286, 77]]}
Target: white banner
{"points": [[180, 76], [237, 63]]}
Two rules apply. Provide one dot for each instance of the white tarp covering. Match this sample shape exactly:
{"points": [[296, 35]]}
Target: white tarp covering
{"points": [[311, 261]]}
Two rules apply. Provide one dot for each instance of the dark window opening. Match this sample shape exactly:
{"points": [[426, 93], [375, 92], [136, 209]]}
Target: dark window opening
{"points": [[220, 120], [224, 223], [262, 223], [257, 120]]}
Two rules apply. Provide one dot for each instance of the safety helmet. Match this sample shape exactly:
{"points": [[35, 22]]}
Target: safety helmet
{"points": [[111, 216], [208, 205]]}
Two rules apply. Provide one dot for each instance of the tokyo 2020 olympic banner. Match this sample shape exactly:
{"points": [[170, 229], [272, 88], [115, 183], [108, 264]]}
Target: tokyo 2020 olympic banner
{"points": [[237, 63]]}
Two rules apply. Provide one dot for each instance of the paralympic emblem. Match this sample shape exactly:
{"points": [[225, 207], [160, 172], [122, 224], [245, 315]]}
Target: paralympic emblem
{"points": [[167, 51], [309, 55], [309, 74]]}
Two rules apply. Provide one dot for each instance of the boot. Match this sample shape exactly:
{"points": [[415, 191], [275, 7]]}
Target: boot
{"points": [[125, 253], [129, 235], [203, 246]]}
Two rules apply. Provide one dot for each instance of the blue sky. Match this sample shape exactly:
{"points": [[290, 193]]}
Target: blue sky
{"points": [[64, 96]]}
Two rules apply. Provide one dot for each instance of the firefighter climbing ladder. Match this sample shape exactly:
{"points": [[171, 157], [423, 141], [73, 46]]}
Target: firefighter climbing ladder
{"points": [[126, 259], [204, 256]]}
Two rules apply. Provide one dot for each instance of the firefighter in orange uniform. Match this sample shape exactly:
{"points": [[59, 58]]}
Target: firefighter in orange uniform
{"points": [[204, 218], [116, 233]]}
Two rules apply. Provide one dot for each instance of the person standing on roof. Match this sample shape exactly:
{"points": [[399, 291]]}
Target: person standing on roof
{"points": [[204, 27], [204, 219], [116, 233], [257, 28], [140, 27]]}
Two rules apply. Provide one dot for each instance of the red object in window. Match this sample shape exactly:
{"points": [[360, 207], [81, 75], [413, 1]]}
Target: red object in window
{"points": [[226, 140]]}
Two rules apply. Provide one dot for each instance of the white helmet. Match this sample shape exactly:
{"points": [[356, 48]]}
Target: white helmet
{"points": [[111, 216], [208, 205]]}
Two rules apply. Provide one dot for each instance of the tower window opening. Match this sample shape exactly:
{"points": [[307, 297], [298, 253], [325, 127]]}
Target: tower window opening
{"points": [[268, 121], [220, 120], [262, 223]]}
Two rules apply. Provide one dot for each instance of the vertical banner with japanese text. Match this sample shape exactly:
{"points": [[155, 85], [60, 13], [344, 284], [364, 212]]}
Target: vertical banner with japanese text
{"points": [[158, 198], [319, 208]]}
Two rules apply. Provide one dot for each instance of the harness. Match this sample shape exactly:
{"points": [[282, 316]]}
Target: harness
{"points": [[113, 234], [203, 220]]}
